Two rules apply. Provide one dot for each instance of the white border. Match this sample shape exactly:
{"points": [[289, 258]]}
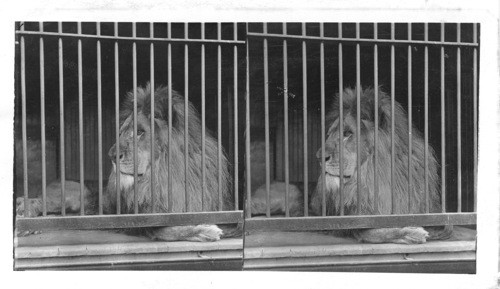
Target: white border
{"points": [[485, 12]]}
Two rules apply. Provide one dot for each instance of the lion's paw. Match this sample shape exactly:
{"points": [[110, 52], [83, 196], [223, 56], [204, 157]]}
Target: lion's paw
{"points": [[413, 235], [207, 233]]}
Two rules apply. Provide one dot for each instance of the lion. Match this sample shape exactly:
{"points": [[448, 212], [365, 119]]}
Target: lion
{"points": [[416, 197], [53, 205], [406, 202], [159, 176]]}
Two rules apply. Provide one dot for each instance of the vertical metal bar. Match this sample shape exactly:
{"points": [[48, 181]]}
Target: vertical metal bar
{"points": [[375, 85], [323, 126], [219, 112], [117, 123], [426, 117], [203, 166], [23, 123], [341, 123], [169, 157], [459, 124], [474, 108], [152, 117], [248, 207], [99, 115], [266, 122], [304, 116], [61, 122], [80, 119], [134, 80], [443, 126], [393, 152], [358, 118], [42, 120], [235, 109], [410, 116], [186, 119], [285, 116]]}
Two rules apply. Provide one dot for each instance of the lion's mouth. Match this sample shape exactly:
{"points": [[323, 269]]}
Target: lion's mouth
{"points": [[337, 175], [127, 169], [334, 171], [131, 174]]}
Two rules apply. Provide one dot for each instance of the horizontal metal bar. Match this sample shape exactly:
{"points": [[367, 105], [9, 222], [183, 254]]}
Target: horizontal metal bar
{"points": [[360, 41], [128, 221], [125, 38], [358, 222]]}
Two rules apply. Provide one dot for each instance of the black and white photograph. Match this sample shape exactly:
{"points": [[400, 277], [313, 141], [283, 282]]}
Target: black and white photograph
{"points": [[343, 147]]}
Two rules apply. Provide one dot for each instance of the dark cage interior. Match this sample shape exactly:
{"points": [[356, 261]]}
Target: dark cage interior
{"points": [[331, 62], [256, 86]]}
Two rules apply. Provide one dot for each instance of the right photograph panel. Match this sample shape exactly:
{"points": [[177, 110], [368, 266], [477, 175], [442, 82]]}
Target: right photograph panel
{"points": [[361, 147]]}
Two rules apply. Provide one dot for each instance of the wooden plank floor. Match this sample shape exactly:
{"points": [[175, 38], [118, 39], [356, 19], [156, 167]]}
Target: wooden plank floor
{"points": [[108, 250], [76, 237], [111, 250], [312, 251]]}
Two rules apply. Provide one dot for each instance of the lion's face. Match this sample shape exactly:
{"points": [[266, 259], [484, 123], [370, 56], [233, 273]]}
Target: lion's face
{"points": [[349, 144], [126, 143]]}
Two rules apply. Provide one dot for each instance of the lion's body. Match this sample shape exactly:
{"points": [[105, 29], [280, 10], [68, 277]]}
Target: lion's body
{"points": [[409, 192], [406, 200], [166, 201]]}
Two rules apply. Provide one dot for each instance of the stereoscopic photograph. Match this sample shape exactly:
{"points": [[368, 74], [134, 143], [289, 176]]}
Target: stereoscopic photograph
{"points": [[295, 146]]}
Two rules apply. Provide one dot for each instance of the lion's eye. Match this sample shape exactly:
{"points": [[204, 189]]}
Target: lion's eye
{"points": [[347, 133], [140, 132]]}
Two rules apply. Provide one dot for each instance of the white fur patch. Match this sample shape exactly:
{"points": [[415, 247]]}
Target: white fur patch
{"points": [[126, 181], [332, 183]]}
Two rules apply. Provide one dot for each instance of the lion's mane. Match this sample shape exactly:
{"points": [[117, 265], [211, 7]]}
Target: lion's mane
{"points": [[416, 196], [194, 175]]}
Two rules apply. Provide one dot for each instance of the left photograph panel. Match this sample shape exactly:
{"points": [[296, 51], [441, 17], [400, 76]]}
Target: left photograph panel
{"points": [[127, 146]]}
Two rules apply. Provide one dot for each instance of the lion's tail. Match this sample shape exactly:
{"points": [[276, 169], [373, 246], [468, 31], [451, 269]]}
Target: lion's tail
{"points": [[439, 232]]}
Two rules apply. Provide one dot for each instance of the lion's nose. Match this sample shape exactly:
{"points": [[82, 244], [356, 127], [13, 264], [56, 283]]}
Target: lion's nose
{"points": [[112, 153], [327, 155]]}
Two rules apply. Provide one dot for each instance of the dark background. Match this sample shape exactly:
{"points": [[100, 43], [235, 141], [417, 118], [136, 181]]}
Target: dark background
{"points": [[89, 69]]}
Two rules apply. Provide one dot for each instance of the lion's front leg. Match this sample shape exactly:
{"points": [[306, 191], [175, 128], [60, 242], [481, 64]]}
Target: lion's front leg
{"points": [[199, 233], [406, 235]]}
